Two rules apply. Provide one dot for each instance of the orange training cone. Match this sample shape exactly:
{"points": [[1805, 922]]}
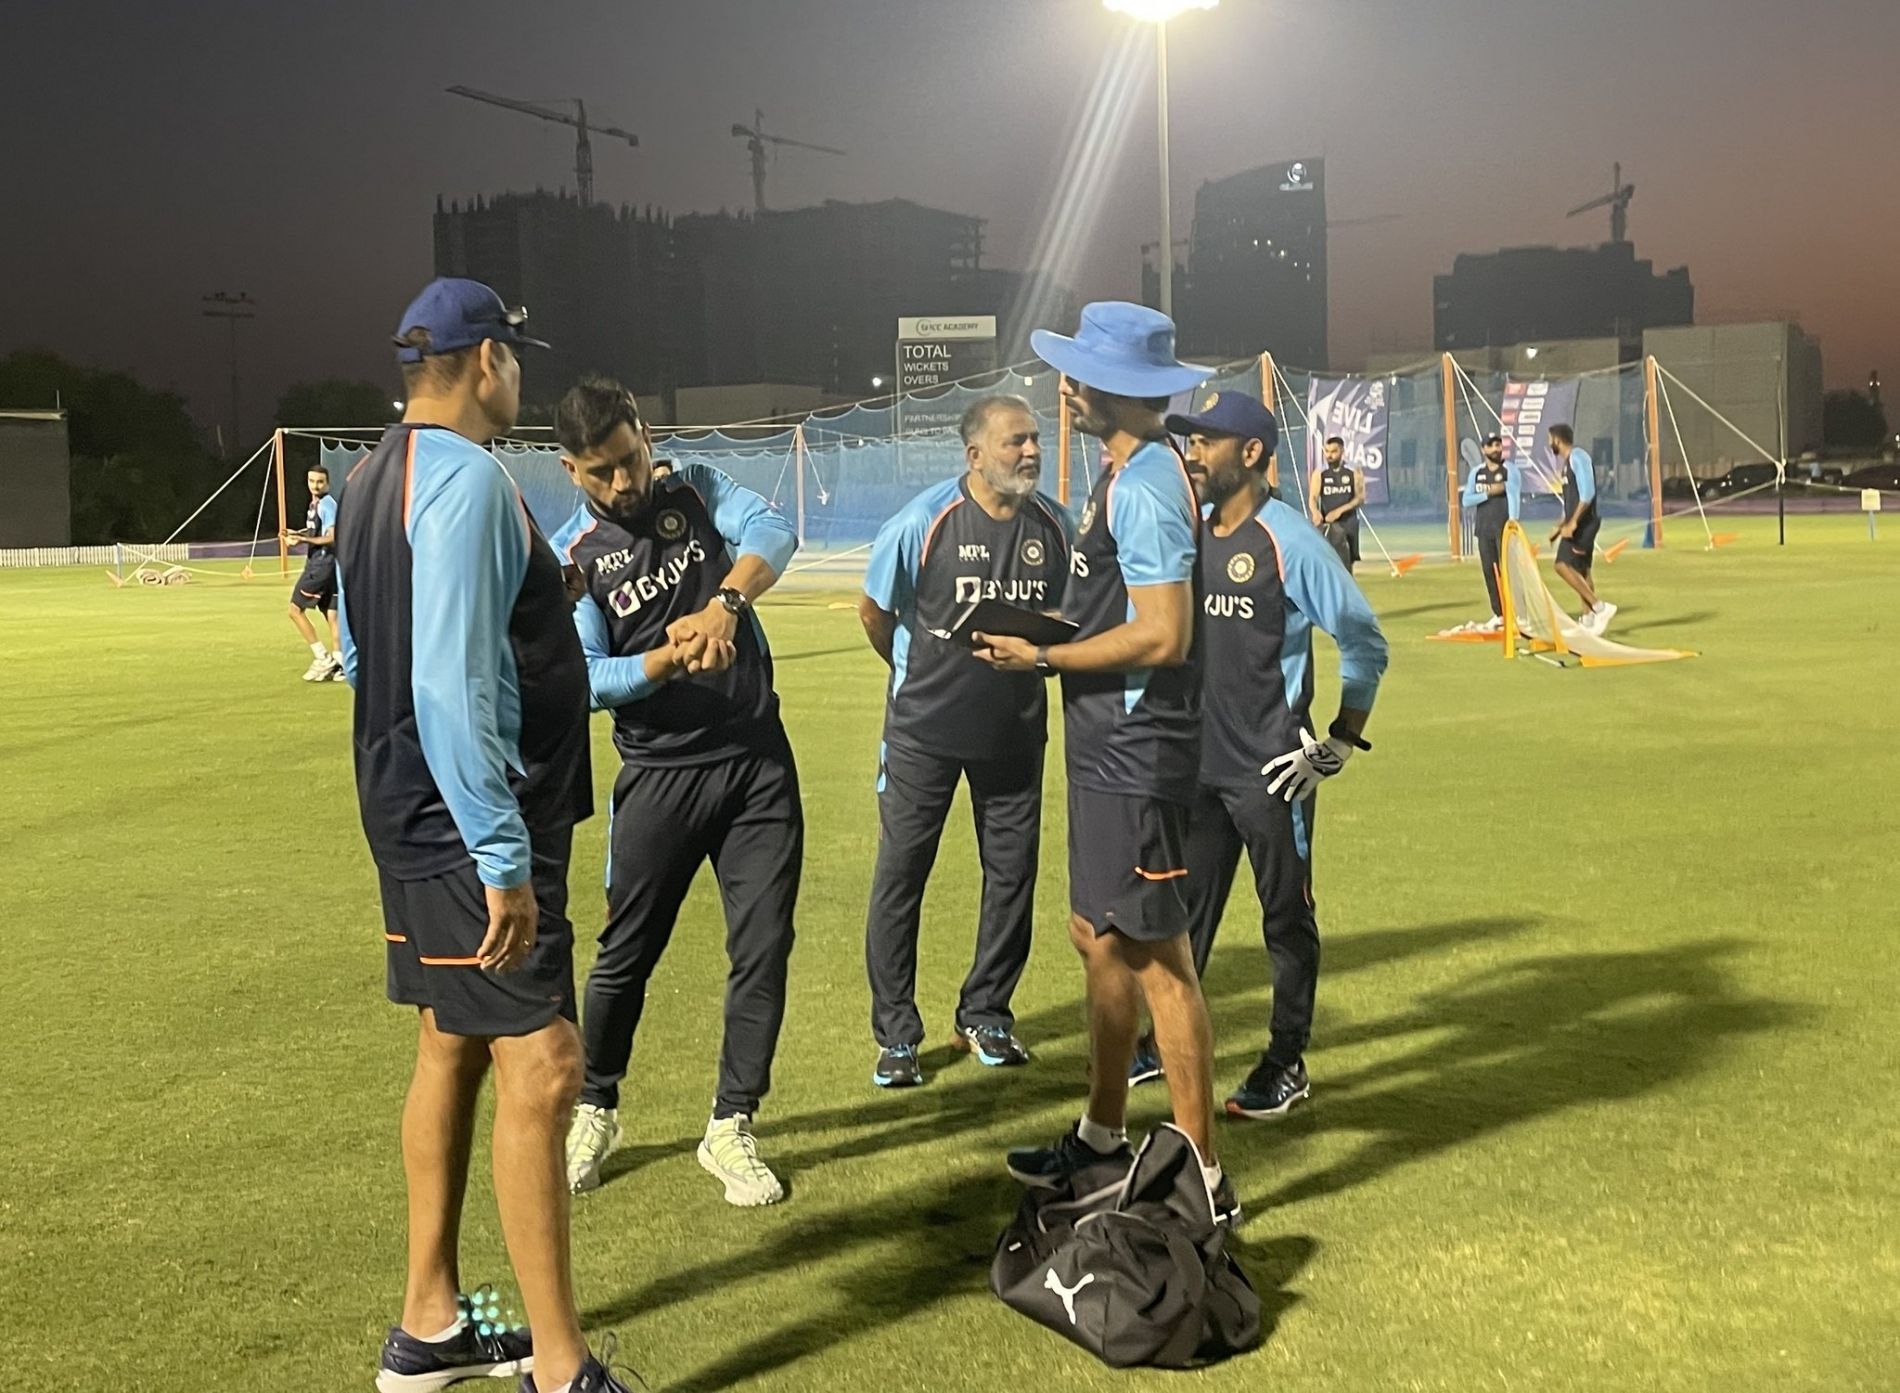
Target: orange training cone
{"points": [[1406, 563], [1722, 539], [1616, 550]]}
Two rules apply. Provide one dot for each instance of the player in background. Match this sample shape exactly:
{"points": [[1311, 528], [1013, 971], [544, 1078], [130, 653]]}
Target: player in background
{"points": [[1576, 535], [1334, 495], [316, 586], [1267, 581], [672, 568], [1131, 717], [472, 769], [1494, 490], [986, 534]]}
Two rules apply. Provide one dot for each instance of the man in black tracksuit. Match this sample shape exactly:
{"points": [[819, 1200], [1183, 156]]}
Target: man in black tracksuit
{"points": [[1494, 492], [987, 534], [1334, 497], [670, 569]]}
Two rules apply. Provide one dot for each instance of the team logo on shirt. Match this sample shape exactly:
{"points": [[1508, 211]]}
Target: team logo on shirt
{"points": [[1088, 519], [1240, 568], [1212, 402], [1032, 552], [671, 524]]}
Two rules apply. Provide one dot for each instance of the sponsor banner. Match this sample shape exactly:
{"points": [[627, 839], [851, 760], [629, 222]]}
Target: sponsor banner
{"points": [[1529, 410], [1357, 410]]}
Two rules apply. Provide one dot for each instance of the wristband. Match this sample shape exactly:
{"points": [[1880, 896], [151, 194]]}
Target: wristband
{"points": [[736, 604], [1042, 662], [1339, 732]]}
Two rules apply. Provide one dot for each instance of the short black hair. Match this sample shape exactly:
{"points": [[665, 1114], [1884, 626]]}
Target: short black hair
{"points": [[319, 468], [1563, 433], [1335, 440], [976, 417], [593, 409]]}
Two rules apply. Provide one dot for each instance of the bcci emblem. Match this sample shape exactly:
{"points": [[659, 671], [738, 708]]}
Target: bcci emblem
{"points": [[1032, 552], [672, 524], [1088, 519], [1240, 569], [1212, 402]]}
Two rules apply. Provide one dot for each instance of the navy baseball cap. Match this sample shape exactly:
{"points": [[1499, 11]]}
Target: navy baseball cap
{"points": [[1230, 413], [1492, 439], [459, 314]]}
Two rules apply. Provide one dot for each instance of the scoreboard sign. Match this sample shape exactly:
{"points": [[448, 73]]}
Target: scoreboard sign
{"points": [[936, 351]]}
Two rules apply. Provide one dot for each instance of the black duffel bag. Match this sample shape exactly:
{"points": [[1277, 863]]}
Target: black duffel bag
{"points": [[1138, 1275]]}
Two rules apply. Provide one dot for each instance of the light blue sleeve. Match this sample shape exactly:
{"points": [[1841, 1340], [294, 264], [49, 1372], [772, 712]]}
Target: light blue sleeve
{"points": [[1514, 490], [562, 539], [1473, 495], [326, 513], [890, 580], [346, 646], [1153, 528], [1323, 590], [1586, 471], [744, 519], [612, 681], [470, 544]]}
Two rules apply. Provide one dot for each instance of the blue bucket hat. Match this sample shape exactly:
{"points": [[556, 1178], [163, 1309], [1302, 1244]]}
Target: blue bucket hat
{"points": [[1121, 348]]}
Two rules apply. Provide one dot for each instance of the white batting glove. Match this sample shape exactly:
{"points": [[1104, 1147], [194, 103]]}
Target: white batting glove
{"points": [[1297, 773]]}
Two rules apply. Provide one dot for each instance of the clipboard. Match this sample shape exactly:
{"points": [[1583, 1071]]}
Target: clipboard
{"points": [[1011, 621]]}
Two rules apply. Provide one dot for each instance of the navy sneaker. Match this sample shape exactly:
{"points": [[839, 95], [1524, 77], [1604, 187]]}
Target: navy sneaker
{"points": [[418, 1366], [1146, 1065], [594, 1377], [1226, 1203], [1271, 1090], [993, 1045], [1071, 1162], [897, 1067]]}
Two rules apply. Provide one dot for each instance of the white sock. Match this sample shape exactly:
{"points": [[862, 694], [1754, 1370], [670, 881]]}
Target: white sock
{"points": [[1597, 608], [1212, 1175], [446, 1335], [1096, 1137], [318, 651]]}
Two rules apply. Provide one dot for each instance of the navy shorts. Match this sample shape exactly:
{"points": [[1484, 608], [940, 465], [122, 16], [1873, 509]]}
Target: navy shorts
{"points": [[1128, 864], [316, 587], [1579, 551], [433, 929]]}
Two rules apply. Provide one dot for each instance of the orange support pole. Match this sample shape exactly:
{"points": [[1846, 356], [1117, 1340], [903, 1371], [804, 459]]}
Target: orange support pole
{"points": [[283, 516], [1268, 398], [1062, 448], [1650, 406], [1447, 370], [798, 451]]}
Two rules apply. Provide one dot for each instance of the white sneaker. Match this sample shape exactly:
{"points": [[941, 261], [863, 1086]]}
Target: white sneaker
{"points": [[1493, 625], [731, 1154], [318, 670], [1603, 614], [334, 673], [594, 1133]]}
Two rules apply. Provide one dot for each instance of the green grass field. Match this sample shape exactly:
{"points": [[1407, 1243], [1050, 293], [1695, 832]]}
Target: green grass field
{"points": [[1604, 1073]]}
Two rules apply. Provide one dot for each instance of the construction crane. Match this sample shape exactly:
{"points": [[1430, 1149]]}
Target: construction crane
{"points": [[1617, 200], [583, 152], [756, 140]]}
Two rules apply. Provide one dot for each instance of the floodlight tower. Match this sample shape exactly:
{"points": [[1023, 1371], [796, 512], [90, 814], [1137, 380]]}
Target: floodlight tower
{"points": [[1158, 13]]}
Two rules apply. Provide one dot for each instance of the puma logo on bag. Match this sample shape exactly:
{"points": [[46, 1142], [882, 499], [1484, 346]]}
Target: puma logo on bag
{"points": [[1068, 1294]]}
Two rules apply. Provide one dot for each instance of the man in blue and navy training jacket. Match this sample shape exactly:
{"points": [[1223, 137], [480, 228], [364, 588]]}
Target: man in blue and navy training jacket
{"points": [[1268, 579], [471, 771], [316, 585], [670, 569], [1494, 491], [1131, 718], [986, 534]]}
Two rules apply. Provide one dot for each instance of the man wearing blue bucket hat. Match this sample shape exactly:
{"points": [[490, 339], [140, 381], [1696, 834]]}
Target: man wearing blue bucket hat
{"points": [[1131, 713]]}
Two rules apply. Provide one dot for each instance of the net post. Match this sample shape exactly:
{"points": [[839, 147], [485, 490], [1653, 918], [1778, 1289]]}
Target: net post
{"points": [[1449, 385], [1267, 397], [1653, 418], [1062, 447], [1504, 595], [798, 445], [283, 516]]}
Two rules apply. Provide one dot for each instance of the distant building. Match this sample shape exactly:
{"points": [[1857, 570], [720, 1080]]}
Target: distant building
{"points": [[1255, 276], [1523, 294], [1765, 377], [35, 480], [807, 297]]}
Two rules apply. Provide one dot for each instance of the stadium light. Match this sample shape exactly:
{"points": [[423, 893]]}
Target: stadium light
{"points": [[1158, 13], [876, 382], [397, 405]]}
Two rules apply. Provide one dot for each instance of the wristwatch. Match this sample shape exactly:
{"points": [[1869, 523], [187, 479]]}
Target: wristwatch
{"points": [[1042, 663], [735, 602], [1339, 732]]}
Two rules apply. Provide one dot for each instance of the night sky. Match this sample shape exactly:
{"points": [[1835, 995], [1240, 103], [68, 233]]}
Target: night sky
{"points": [[295, 151]]}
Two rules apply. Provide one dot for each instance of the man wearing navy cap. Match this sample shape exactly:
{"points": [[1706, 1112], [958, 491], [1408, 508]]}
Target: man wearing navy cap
{"points": [[471, 770], [1494, 490], [1131, 712], [1267, 579]]}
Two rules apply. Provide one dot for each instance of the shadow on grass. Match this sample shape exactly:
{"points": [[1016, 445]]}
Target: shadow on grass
{"points": [[1661, 621], [1515, 1044], [1386, 616]]}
